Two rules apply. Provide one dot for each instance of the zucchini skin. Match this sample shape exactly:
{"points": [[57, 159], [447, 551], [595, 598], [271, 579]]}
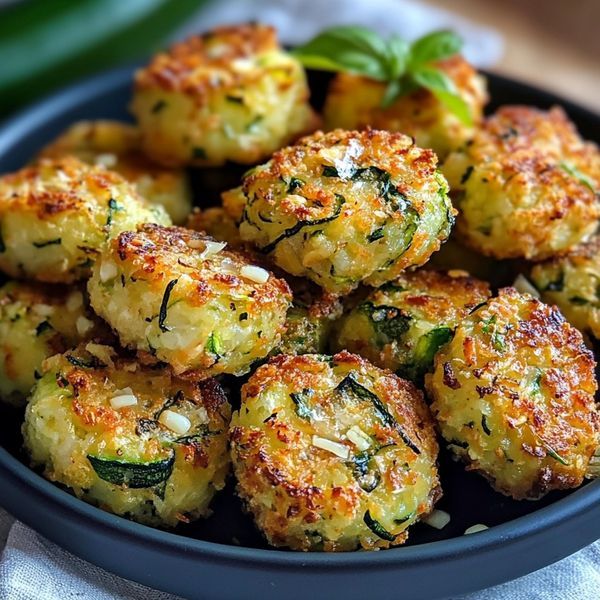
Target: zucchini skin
{"points": [[120, 34], [131, 474]]}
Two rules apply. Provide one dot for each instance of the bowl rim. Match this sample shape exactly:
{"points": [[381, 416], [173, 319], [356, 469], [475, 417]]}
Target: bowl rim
{"points": [[578, 503]]}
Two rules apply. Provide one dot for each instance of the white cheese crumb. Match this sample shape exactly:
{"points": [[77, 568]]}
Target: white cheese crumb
{"points": [[476, 528], [108, 270], [174, 421], [74, 301], [438, 519], [523, 285], [43, 310], [83, 325], [202, 415], [212, 248], [106, 160], [254, 273], [358, 437], [123, 399], [333, 447]]}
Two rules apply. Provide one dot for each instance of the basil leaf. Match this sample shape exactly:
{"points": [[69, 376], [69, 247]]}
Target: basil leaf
{"points": [[398, 54], [435, 46], [392, 92], [443, 88], [350, 49]]}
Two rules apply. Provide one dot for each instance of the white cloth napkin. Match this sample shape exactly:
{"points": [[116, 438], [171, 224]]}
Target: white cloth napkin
{"points": [[32, 568]]}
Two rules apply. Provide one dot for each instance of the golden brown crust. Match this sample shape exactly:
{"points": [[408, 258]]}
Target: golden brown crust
{"points": [[525, 185], [155, 252], [186, 67], [57, 196]]}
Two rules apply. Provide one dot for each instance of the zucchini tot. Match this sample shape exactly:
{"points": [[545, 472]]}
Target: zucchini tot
{"points": [[178, 296], [572, 282], [116, 146], [525, 186], [347, 207], [334, 454], [38, 321], [403, 324], [56, 215], [134, 440], [513, 394], [231, 94]]}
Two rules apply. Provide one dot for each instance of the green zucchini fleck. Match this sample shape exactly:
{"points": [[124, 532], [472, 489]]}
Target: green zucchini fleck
{"points": [[556, 456], [131, 474], [401, 520], [172, 401], [407, 234], [484, 426], [113, 207], [377, 528], [340, 200], [375, 235], [351, 390], [579, 301], [575, 172], [195, 438], [329, 171], [93, 363], [235, 99], [557, 285], [365, 471], [300, 400], [465, 176], [388, 322], [43, 326], [55, 241], [158, 106], [214, 345], [198, 152], [294, 185], [424, 353], [162, 313]]}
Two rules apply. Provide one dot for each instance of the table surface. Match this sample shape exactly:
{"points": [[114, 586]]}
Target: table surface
{"points": [[550, 43]]}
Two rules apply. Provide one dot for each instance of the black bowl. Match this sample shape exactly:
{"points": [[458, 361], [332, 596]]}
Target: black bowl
{"points": [[224, 556]]}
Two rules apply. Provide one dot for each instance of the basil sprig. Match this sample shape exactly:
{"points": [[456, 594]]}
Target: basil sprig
{"points": [[404, 67]]}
